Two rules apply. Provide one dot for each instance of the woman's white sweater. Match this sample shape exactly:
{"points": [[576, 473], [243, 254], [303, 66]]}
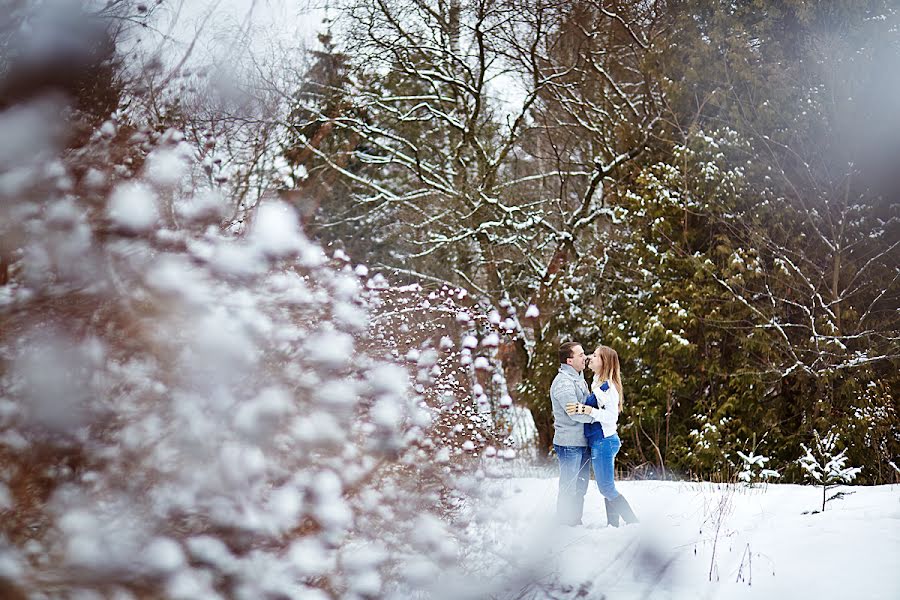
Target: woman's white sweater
{"points": [[608, 401]]}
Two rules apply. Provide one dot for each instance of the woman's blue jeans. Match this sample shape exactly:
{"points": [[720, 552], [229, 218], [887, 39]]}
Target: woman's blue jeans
{"points": [[574, 474], [603, 458]]}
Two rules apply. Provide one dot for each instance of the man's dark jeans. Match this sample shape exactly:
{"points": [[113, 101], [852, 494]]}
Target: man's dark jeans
{"points": [[574, 474]]}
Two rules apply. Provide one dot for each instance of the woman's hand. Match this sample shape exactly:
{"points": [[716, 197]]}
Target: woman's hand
{"points": [[573, 408]]}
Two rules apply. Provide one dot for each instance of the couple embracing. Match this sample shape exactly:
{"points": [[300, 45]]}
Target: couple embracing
{"points": [[585, 431]]}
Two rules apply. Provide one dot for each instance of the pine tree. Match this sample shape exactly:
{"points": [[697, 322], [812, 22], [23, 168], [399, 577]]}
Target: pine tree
{"points": [[789, 272], [754, 468], [824, 466], [317, 149]]}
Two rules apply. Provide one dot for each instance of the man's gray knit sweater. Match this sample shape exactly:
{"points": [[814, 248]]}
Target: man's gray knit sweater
{"points": [[568, 386]]}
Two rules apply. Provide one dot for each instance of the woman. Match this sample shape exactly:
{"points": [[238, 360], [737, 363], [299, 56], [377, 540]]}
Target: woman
{"points": [[603, 406]]}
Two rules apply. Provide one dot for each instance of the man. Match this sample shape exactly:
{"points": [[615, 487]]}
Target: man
{"points": [[568, 440]]}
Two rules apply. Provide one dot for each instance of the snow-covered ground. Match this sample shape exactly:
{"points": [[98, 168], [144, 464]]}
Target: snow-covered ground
{"points": [[695, 540]]}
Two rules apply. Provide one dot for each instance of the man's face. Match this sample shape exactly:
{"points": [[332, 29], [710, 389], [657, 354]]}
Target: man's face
{"points": [[578, 359]]}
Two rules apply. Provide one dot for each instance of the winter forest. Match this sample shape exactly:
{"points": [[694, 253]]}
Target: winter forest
{"points": [[283, 284]]}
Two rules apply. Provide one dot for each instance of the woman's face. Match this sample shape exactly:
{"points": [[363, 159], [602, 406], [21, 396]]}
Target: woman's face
{"points": [[594, 361]]}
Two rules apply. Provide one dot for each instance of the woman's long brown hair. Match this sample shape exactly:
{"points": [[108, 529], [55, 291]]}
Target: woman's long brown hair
{"points": [[609, 369]]}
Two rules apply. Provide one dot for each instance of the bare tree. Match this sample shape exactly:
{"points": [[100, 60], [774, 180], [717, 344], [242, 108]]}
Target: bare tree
{"points": [[490, 129]]}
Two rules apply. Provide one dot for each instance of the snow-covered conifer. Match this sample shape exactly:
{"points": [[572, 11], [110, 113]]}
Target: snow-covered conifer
{"points": [[754, 468], [824, 465]]}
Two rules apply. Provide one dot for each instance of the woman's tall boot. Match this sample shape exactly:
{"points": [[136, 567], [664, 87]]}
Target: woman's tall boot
{"points": [[612, 515], [622, 508]]}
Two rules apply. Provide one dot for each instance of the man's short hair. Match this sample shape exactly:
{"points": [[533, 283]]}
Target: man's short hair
{"points": [[565, 351]]}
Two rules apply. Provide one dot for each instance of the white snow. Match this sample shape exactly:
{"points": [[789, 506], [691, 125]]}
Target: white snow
{"points": [[260, 417], [386, 413], [695, 540], [133, 207], [330, 348], [345, 287], [163, 554], [427, 358], [205, 204], [94, 179], [378, 282], [167, 166], [236, 260], [276, 232], [10, 566], [55, 381], [491, 340], [108, 129], [5, 498], [387, 378], [29, 132], [482, 363], [310, 558]]}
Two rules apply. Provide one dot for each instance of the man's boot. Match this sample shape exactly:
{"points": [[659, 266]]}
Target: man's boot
{"points": [[624, 509], [612, 515]]}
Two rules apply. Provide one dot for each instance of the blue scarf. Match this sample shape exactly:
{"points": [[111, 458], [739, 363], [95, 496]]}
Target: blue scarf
{"points": [[594, 431]]}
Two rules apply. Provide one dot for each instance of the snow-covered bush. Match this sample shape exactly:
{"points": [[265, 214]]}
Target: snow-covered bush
{"points": [[754, 468], [437, 333], [190, 413], [205, 411], [824, 465]]}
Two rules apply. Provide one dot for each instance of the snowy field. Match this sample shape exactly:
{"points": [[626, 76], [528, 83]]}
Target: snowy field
{"points": [[696, 540]]}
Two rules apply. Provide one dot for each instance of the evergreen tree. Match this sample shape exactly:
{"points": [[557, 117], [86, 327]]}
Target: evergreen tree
{"points": [[764, 225], [695, 183], [824, 465]]}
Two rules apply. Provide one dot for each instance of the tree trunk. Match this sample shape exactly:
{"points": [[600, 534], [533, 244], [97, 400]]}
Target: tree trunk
{"points": [[545, 432], [835, 292], [453, 16]]}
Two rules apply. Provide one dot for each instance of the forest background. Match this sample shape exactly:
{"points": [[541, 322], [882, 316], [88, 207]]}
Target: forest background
{"points": [[709, 188], [279, 318]]}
